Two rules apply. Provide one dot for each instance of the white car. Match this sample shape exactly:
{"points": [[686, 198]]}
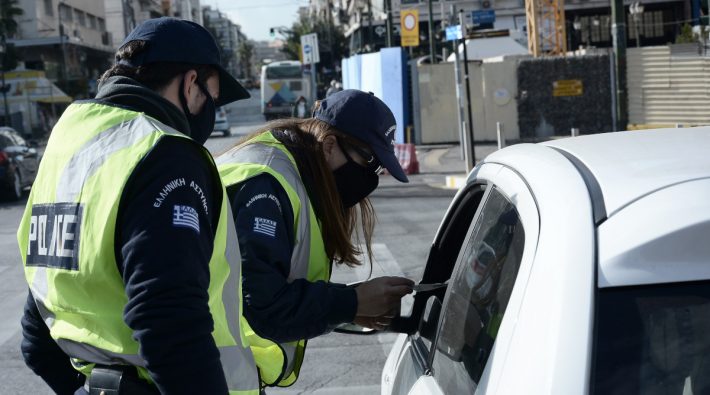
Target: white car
{"points": [[221, 122], [573, 266]]}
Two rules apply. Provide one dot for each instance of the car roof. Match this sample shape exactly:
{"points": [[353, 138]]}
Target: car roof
{"points": [[627, 166]]}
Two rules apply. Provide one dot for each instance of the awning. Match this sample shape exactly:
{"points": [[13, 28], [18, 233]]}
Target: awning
{"points": [[33, 86]]}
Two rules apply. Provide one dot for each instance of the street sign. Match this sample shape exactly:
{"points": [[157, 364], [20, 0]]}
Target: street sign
{"points": [[410, 28], [309, 48], [483, 17], [454, 33], [567, 88]]}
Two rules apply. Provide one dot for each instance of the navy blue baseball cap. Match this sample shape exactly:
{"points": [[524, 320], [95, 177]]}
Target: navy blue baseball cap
{"points": [[180, 41], [365, 117]]}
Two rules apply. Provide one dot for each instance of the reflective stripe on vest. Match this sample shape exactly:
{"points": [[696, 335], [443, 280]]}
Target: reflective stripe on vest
{"points": [[266, 155], [280, 163], [73, 173]]}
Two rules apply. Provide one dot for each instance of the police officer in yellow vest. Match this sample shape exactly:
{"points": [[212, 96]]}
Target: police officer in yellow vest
{"points": [[294, 187], [127, 239]]}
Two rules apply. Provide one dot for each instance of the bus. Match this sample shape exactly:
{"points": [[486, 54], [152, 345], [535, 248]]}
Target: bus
{"points": [[282, 84]]}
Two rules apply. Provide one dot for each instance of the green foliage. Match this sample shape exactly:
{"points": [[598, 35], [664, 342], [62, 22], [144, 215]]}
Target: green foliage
{"points": [[245, 50], [10, 59], [686, 35], [331, 40], [9, 12]]}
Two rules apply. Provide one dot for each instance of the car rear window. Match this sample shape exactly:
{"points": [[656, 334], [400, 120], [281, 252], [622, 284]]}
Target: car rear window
{"points": [[653, 340]]}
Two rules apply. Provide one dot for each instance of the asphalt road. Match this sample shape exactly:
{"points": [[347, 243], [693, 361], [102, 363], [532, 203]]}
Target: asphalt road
{"points": [[408, 216]]}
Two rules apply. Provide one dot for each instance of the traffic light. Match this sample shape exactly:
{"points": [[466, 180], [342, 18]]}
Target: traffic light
{"points": [[272, 32]]}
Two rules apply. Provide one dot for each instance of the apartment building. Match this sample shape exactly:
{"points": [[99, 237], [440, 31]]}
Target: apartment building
{"points": [[123, 15], [229, 36], [68, 39], [588, 21], [184, 9]]}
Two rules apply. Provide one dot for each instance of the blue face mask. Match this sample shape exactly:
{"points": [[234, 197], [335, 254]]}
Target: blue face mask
{"points": [[201, 124]]}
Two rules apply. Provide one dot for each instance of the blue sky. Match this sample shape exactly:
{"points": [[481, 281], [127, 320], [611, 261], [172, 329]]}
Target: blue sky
{"points": [[256, 17]]}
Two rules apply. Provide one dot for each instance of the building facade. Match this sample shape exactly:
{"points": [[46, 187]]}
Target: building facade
{"points": [[67, 39], [190, 10], [123, 15], [229, 37], [588, 22]]}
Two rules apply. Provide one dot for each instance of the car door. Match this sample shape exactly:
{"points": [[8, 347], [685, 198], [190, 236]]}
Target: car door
{"points": [[452, 350], [25, 157]]}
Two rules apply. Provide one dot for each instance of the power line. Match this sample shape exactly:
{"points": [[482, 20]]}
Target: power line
{"points": [[243, 7]]}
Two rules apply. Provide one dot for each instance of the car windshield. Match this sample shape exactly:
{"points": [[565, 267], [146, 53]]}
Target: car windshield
{"points": [[653, 340], [277, 72]]}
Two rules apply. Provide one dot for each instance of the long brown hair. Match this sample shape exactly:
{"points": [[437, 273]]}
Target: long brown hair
{"points": [[304, 140]]}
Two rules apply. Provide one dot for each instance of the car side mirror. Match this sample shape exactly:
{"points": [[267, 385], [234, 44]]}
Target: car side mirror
{"points": [[353, 329]]}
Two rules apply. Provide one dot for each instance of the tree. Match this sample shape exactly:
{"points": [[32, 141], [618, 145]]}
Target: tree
{"points": [[686, 35], [9, 12], [332, 44], [245, 51]]}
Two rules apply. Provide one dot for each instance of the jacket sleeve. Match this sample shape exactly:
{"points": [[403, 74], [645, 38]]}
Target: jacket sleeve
{"points": [[42, 354], [276, 309], [167, 219]]}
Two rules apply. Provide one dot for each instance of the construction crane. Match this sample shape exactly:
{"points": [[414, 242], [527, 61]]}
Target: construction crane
{"points": [[546, 27]]}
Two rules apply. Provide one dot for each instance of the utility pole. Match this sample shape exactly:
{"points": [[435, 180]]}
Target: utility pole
{"points": [[61, 45], [432, 44], [470, 148], [3, 52], [369, 26], [618, 16], [388, 10]]}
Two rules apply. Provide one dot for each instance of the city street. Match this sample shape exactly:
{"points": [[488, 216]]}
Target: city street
{"points": [[408, 216]]}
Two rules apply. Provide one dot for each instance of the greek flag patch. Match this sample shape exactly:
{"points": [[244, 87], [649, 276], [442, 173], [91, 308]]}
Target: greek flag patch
{"points": [[265, 226], [186, 217]]}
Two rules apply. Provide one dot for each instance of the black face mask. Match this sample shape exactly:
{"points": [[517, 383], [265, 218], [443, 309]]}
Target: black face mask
{"points": [[354, 182], [202, 124]]}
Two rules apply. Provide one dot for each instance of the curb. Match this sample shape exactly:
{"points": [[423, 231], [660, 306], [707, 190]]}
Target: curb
{"points": [[455, 182]]}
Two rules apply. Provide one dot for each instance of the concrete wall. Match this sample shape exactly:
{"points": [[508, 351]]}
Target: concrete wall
{"points": [[438, 110], [496, 100], [493, 88], [542, 115]]}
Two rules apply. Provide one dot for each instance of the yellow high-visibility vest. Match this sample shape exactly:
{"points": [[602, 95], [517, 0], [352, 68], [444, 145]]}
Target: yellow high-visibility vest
{"points": [[280, 363], [66, 241]]}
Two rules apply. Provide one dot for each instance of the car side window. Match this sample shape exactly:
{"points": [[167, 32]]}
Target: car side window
{"points": [[479, 290], [5, 141]]}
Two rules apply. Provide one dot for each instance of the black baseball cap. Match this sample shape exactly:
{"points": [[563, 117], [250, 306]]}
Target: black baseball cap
{"points": [[180, 41], [365, 117]]}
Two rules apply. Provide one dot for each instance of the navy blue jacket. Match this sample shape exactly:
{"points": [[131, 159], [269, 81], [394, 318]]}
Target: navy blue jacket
{"points": [[276, 309], [164, 266]]}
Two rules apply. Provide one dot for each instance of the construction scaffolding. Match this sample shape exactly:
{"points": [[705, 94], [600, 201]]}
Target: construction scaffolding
{"points": [[546, 27]]}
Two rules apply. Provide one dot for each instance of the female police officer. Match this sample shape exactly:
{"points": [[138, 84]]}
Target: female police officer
{"points": [[294, 187]]}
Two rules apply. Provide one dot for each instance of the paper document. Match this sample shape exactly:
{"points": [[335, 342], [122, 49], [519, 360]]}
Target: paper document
{"points": [[429, 287]]}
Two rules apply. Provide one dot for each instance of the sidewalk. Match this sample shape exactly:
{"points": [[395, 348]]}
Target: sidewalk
{"points": [[443, 166]]}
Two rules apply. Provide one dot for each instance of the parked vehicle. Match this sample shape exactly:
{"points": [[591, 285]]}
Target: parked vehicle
{"points": [[574, 266], [282, 83], [19, 162], [221, 122]]}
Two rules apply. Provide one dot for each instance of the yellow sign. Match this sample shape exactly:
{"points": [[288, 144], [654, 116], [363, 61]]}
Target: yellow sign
{"points": [[410, 28], [567, 88]]}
